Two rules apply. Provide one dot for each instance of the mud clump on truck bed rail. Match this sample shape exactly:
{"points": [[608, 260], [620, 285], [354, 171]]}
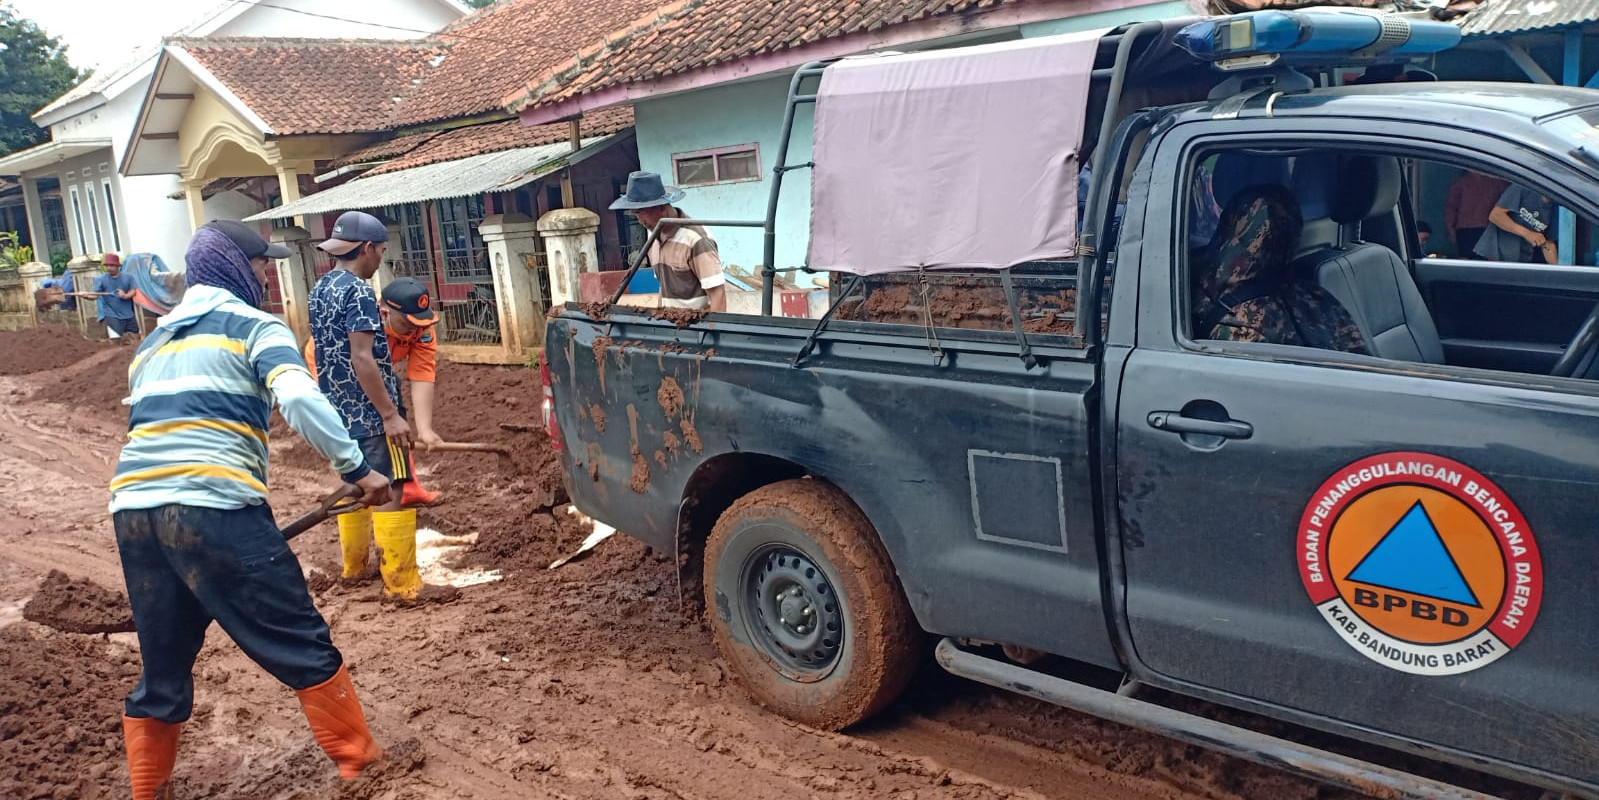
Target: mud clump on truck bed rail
{"points": [[972, 303]]}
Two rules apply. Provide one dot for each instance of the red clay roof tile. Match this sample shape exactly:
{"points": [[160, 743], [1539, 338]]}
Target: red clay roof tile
{"points": [[494, 137], [694, 34], [301, 86], [493, 52]]}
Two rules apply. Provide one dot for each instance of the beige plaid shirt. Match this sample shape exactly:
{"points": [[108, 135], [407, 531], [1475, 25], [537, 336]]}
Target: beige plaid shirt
{"points": [[687, 264]]}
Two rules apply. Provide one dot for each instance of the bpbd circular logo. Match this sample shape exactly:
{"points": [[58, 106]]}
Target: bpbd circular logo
{"points": [[1420, 563]]}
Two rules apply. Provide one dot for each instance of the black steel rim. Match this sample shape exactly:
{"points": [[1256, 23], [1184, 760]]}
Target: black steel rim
{"points": [[795, 615]]}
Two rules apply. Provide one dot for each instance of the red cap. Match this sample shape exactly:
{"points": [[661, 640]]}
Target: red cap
{"points": [[111, 260]]}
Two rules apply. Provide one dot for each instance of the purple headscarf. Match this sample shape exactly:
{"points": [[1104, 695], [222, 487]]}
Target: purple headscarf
{"points": [[214, 260]]}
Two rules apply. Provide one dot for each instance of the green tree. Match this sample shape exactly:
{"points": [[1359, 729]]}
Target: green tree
{"points": [[480, 3], [33, 71]]}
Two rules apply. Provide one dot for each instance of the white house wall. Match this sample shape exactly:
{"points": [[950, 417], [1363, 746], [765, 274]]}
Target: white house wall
{"points": [[408, 20], [148, 219]]}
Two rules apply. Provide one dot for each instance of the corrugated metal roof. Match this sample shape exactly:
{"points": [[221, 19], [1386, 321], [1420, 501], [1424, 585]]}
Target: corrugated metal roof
{"points": [[502, 171], [1501, 17]]}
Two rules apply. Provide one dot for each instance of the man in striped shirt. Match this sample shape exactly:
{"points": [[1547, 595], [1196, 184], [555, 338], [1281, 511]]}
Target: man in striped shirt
{"points": [[189, 504], [685, 258]]}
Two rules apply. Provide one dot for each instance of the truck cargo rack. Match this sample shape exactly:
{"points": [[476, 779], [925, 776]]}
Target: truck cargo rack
{"points": [[1115, 53]]}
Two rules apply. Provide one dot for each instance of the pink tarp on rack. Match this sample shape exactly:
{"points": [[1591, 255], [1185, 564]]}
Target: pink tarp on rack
{"points": [[951, 159]]}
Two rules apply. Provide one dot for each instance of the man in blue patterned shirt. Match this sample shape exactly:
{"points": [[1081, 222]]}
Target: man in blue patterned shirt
{"points": [[354, 370]]}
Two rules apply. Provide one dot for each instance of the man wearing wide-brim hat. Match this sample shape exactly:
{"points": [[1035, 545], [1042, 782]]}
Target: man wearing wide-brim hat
{"points": [[684, 256]]}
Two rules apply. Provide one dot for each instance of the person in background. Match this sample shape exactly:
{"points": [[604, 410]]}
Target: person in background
{"points": [[356, 373], [189, 505], [408, 321], [1470, 200], [1424, 237], [684, 256], [1519, 227], [115, 304]]}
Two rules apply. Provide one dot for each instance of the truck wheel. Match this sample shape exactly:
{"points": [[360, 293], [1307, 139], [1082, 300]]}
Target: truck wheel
{"points": [[804, 605]]}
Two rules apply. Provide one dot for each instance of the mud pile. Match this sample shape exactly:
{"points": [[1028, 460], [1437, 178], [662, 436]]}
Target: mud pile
{"points": [[78, 606], [61, 715], [103, 383], [43, 348]]}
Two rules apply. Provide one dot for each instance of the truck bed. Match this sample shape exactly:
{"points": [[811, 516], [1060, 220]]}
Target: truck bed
{"points": [[664, 426]]}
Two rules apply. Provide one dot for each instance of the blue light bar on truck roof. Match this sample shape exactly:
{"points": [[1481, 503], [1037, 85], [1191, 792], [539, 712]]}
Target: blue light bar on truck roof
{"points": [[1261, 38]]}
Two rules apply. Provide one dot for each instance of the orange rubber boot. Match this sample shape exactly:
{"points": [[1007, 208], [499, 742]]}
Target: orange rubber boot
{"points": [[338, 723], [411, 493], [152, 752]]}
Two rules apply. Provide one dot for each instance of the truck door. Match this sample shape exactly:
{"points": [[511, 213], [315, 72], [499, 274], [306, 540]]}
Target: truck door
{"points": [[1389, 546]]}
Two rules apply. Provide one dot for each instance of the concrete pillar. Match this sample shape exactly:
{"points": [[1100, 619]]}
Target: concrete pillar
{"points": [[38, 230], [570, 247], [289, 184], [385, 274], [295, 276], [194, 198], [32, 274], [511, 240], [84, 272]]}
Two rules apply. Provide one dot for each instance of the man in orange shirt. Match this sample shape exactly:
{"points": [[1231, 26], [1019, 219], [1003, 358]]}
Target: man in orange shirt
{"points": [[408, 321]]}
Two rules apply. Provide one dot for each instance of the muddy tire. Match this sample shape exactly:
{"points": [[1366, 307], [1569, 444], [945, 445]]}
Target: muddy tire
{"points": [[805, 606]]}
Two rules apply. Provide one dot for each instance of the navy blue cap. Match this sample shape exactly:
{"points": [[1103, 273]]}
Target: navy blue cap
{"points": [[353, 229], [247, 239]]}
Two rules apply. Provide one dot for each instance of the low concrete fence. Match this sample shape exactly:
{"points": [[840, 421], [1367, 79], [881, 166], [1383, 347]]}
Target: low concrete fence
{"points": [[16, 303]]}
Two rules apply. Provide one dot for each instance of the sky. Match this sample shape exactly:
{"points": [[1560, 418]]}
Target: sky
{"points": [[106, 33]]}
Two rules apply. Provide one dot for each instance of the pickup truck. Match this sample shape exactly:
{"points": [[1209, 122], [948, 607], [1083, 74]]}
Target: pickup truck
{"points": [[1236, 436]]}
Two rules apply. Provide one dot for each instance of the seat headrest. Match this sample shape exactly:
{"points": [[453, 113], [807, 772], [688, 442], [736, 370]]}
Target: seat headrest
{"points": [[1367, 185], [1237, 171], [1313, 181]]}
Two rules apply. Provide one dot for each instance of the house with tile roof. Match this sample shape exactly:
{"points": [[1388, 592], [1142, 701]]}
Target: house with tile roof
{"points": [[414, 131], [708, 81], [74, 197]]}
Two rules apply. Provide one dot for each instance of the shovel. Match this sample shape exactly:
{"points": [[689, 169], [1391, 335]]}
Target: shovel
{"points": [[345, 500], [465, 447]]}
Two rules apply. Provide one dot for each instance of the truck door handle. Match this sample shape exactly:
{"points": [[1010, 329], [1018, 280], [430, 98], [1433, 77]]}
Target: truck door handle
{"points": [[1176, 422]]}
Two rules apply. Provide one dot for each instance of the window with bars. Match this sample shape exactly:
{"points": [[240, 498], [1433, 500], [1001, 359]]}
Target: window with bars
{"points": [[94, 216], [77, 218], [740, 162], [413, 242], [111, 213], [55, 220], [465, 259]]}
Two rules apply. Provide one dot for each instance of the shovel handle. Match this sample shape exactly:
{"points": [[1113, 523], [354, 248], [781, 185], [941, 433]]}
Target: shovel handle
{"points": [[339, 502], [465, 447]]}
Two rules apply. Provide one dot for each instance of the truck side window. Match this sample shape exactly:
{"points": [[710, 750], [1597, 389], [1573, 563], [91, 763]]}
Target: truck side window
{"points": [[1385, 255]]}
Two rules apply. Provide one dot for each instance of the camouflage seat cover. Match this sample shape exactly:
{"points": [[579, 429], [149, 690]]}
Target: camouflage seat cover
{"points": [[1247, 292]]}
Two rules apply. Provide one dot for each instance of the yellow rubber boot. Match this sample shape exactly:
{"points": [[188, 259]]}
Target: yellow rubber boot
{"points": [[355, 540], [402, 583], [395, 532]]}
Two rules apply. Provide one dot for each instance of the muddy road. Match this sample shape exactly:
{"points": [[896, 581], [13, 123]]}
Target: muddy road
{"points": [[584, 682]]}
